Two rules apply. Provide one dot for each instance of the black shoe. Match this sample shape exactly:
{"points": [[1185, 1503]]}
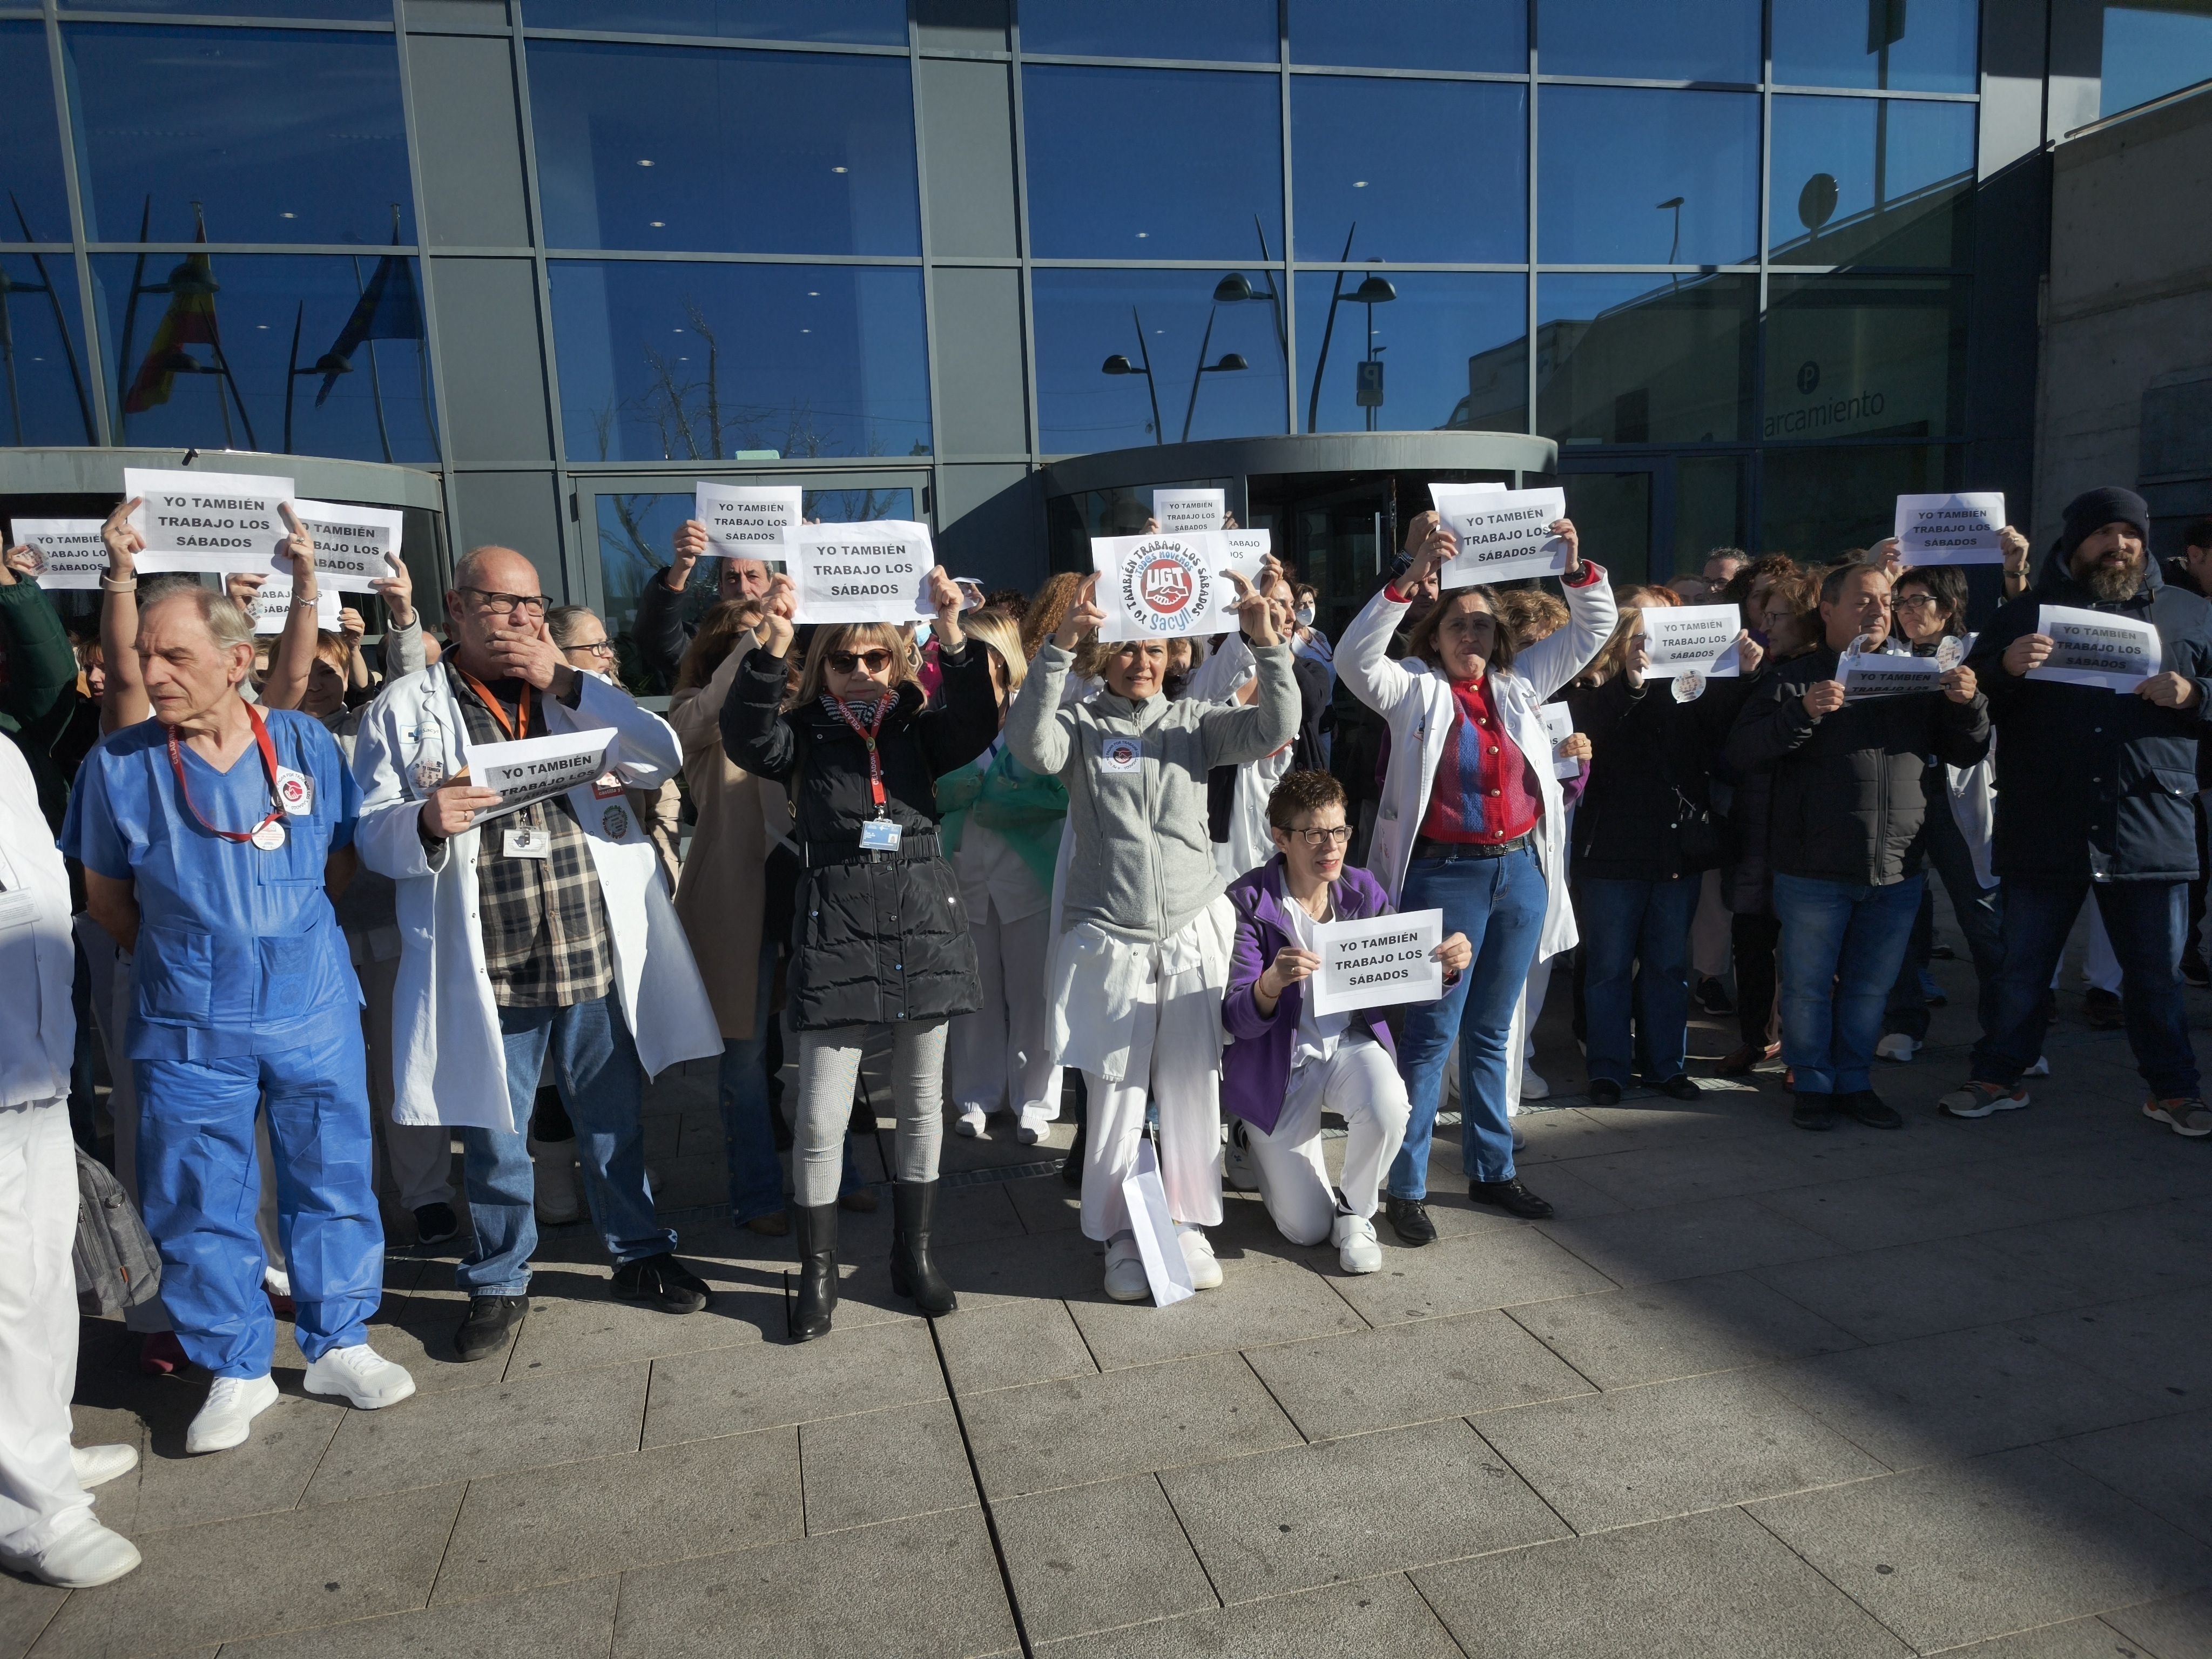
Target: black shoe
{"points": [[1511, 1196], [2102, 1011], [436, 1222], [491, 1320], [1604, 1091], [1814, 1111], [1712, 996], [1071, 1170], [2194, 970], [1870, 1109], [1409, 1220], [912, 1271], [814, 1226], [1681, 1087], [663, 1281]]}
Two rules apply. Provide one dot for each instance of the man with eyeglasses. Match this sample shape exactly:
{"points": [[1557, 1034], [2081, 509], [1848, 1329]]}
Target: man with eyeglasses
{"points": [[662, 631], [544, 929]]}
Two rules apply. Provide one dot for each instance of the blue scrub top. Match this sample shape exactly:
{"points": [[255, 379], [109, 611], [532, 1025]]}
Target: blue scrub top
{"points": [[238, 952]]}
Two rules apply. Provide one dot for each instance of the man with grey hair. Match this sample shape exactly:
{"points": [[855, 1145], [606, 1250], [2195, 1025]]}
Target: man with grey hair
{"points": [[208, 836]]}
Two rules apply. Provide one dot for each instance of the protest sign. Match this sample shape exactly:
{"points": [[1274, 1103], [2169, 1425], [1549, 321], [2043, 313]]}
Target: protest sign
{"points": [[69, 551], [1695, 639], [1504, 534], [350, 544], [206, 521], [272, 602], [1163, 588], [750, 522], [1558, 725], [1956, 529], [860, 573], [1887, 674], [2094, 647], [530, 769], [1378, 961], [1178, 510]]}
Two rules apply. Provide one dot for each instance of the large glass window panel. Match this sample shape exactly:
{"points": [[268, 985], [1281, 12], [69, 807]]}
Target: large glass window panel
{"points": [[1453, 349], [716, 151], [1612, 513], [1152, 164], [1906, 45], [1639, 176], [316, 355], [260, 135], [1118, 354], [1432, 34], [1466, 203], [315, 11], [1818, 503], [30, 142], [1865, 357], [1639, 358], [1712, 41], [47, 397], [864, 22], [1233, 31], [1879, 181], [2151, 51], [662, 361], [1708, 504]]}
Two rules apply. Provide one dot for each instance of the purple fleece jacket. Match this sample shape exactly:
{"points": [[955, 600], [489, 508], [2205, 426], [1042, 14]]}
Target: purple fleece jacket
{"points": [[1255, 1068]]}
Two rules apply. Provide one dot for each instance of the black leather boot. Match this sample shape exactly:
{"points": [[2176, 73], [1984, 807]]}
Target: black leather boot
{"points": [[815, 1228], [912, 1272]]}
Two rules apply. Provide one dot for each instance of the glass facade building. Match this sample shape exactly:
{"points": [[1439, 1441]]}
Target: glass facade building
{"points": [[1752, 266]]}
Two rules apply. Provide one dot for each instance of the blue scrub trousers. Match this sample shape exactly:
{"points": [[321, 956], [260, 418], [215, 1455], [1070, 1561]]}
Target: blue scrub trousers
{"points": [[199, 1183]]}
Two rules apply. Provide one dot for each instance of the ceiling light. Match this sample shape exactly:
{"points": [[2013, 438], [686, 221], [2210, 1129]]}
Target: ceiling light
{"points": [[287, 215], [1359, 183], [837, 169], [657, 224], [1142, 235], [645, 161]]}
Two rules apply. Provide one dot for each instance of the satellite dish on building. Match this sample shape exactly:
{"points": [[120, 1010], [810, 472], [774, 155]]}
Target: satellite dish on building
{"points": [[1816, 203]]}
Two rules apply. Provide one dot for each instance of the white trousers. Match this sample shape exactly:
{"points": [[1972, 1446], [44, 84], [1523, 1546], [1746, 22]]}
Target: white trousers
{"points": [[999, 1057], [418, 1157], [1359, 1082], [37, 1323]]}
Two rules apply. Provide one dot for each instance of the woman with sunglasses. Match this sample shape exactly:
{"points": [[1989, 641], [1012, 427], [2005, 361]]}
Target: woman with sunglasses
{"points": [[880, 947]]}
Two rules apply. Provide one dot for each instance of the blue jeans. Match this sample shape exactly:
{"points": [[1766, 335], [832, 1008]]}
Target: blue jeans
{"points": [[1842, 943], [1625, 925], [2144, 921], [749, 1152], [1498, 903], [1980, 911], [595, 1068]]}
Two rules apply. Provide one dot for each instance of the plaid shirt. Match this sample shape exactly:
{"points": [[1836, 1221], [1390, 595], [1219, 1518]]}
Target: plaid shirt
{"points": [[544, 920]]}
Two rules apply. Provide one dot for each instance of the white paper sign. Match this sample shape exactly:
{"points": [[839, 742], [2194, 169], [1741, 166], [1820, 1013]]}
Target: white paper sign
{"points": [[1163, 588], [1887, 674], [1381, 960], [1504, 534], [272, 602], [861, 573], [70, 555], [1682, 639], [1558, 725], [748, 521], [538, 769], [1178, 510], [350, 543], [206, 521], [1960, 529], [1165, 1268], [2096, 649]]}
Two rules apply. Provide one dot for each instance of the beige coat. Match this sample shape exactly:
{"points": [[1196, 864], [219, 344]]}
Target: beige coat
{"points": [[721, 893]]}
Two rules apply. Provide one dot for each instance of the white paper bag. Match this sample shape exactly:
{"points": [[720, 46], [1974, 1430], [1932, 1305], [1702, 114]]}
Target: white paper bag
{"points": [[1165, 1270]]}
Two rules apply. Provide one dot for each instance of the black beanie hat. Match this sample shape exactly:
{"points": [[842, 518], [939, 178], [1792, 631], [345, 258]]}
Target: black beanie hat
{"points": [[2091, 511]]}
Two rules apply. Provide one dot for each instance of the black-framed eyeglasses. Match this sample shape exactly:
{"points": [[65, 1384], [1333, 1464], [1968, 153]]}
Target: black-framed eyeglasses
{"points": [[597, 647], [846, 661], [1337, 835], [500, 605], [1916, 602]]}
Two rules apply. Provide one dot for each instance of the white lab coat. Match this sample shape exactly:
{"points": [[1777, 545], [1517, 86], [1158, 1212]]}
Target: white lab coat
{"points": [[1417, 702], [450, 1063]]}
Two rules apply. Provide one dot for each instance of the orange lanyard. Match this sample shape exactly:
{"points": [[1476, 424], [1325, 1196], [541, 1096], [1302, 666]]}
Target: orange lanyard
{"points": [[517, 728]]}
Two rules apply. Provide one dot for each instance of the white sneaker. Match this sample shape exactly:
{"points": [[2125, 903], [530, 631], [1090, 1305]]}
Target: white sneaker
{"points": [[1534, 1087], [1032, 1126], [1357, 1250], [970, 1122], [2041, 1068], [233, 1403], [1897, 1047], [559, 1202], [1236, 1166], [276, 1281], [85, 1554], [96, 1465], [1198, 1256], [1125, 1270], [361, 1374]]}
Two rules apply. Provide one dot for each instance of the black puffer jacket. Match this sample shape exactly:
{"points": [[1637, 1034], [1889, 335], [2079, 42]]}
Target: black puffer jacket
{"points": [[1846, 803], [2094, 784], [877, 937], [1651, 766]]}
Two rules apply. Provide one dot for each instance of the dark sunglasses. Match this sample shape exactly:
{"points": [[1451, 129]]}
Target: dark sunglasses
{"points": [[846, 661]]}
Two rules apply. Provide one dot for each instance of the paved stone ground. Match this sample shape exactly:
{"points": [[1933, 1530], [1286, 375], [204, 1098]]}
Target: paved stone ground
{"points": [[1754, 1392]]}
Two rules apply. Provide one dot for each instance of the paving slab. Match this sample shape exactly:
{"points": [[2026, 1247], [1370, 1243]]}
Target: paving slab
{"points": [[2076, 1639], [882, 1465], [1494, 1266], [2179, 1627], [271, 1470], [2155, 1342], [1919, 1290], [1259, 1301], [1686, 1241], [1712, 1586], [703, 1395], [1618, 1339], [1006, 1345], [1960, 1553], [1375, 1617], [1610, 1460], [26, 1608], [575, 1333], [2165, 1465], [553, 1621], [1876, 1210], [1092, 1558]]}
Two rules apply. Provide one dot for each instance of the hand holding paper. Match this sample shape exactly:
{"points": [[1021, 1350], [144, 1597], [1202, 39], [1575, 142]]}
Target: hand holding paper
{"points": [[2088, 647], [532, 769], [1381, 960]]}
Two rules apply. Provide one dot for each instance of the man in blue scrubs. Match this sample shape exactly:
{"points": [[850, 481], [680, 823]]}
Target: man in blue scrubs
{"points": [[207, 836]]}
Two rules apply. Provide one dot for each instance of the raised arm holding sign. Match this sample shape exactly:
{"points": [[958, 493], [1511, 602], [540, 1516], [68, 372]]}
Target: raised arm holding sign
{"points": [[354, 546]]}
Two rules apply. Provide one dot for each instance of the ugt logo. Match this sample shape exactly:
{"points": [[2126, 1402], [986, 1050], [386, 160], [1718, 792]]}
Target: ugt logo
{"points": [[1164, 581]]}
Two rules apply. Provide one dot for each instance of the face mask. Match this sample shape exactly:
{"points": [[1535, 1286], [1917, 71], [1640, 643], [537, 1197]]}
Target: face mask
{"points": [[1305, 615]]}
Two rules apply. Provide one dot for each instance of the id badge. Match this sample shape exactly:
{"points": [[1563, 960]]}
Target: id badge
{"points": [[606, 786], [1121, 755], [295, 791], [527, 844], [879, 836]]}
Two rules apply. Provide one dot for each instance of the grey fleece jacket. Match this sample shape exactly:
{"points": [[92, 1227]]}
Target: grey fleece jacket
{"points": [[1142, 866]]}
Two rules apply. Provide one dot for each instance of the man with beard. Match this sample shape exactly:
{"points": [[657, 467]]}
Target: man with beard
{"points": [[2094, 793]]}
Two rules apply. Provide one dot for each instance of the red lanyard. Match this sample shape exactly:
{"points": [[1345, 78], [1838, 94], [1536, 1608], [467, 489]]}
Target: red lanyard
{"points": [[268, 762], [515, 728], [868, 736]]}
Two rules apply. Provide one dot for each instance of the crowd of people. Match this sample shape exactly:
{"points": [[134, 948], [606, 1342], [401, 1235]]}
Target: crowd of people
{"points": [[252, 882]]}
